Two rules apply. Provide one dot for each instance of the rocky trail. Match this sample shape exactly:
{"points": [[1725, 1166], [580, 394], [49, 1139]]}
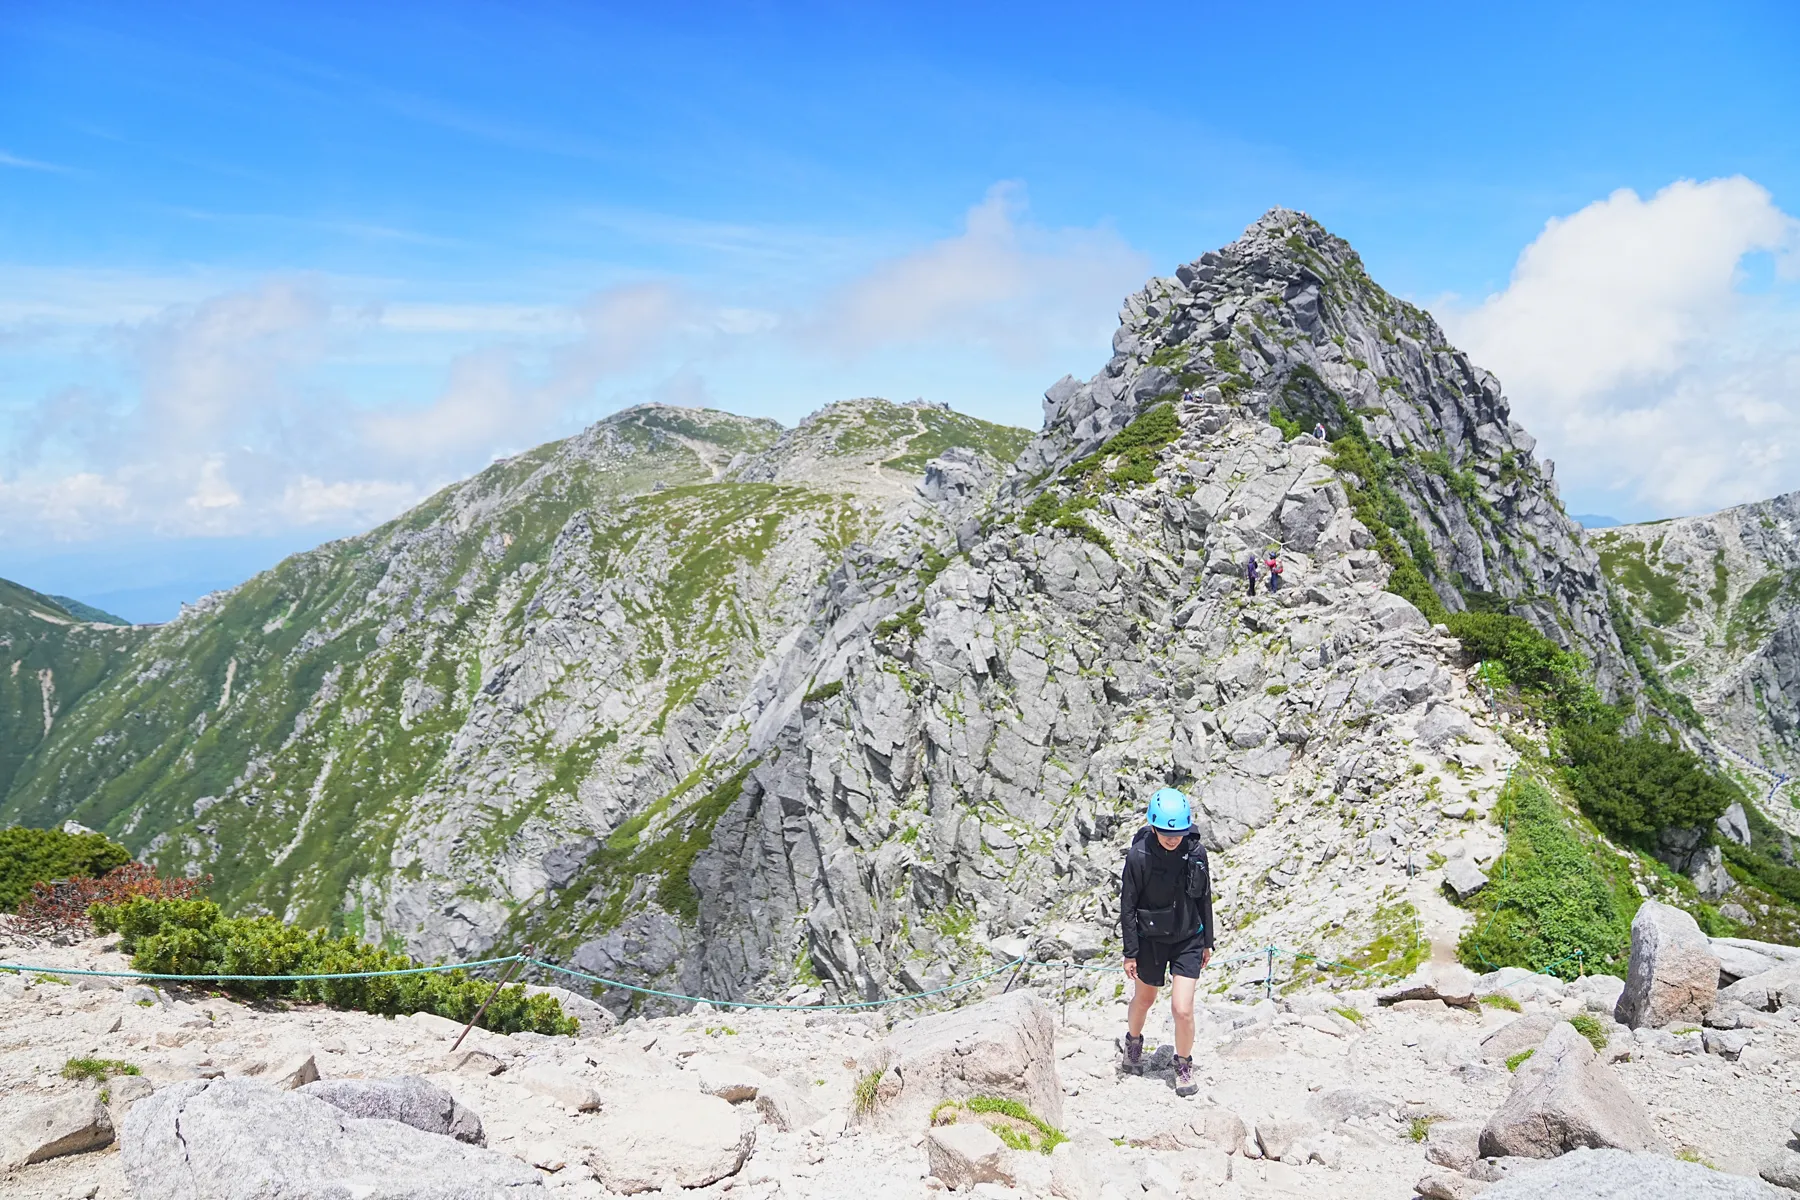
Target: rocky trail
{"points": [[1350, 1094]]}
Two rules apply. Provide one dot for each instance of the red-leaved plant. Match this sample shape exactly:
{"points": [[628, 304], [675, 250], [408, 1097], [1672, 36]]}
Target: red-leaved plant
{"points": [[62, 906]]}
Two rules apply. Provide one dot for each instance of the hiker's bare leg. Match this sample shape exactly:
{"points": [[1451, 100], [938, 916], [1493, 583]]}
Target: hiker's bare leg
{"points": [[1142, 997], [1181, 999]]}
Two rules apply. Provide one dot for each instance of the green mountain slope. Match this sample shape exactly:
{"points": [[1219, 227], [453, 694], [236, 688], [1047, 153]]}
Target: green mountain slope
{"points": [[50, 658], [435, 707]]}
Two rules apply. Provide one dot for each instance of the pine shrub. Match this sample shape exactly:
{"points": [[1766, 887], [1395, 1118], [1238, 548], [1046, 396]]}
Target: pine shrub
{"points": [[29, 856], [193, 937]]}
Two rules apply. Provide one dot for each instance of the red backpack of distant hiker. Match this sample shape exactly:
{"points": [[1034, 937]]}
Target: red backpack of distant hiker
{"points": [[1274, 566]]}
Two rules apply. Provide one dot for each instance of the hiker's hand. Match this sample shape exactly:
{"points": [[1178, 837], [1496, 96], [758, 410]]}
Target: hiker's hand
{"points": [[1131, 969], [1205, 956]]}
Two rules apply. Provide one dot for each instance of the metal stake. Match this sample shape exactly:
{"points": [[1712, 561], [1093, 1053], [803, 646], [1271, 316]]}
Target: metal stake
{"points": [[1269, 977], [506, 979]]}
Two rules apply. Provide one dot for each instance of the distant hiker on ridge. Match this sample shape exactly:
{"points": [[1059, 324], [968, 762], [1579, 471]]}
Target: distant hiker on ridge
{"points": [[1166, 918], [1274, 566], [1319, 431], [1250, 566]]}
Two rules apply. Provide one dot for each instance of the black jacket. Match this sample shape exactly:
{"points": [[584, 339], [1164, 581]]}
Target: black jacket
{"points": [[1154, 880]]}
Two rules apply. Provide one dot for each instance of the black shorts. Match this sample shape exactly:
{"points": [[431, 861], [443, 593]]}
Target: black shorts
{"points": [[1182, 958]]}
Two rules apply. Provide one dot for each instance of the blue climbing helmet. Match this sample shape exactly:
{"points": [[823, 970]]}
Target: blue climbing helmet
{"points": [[1169, 811]]}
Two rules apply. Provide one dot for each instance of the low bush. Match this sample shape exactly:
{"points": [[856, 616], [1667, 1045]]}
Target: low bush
{"points": [[192, 937], [1589, 1027], [1633, 787], [99, 1070], [30, 856], [1555, 891]]}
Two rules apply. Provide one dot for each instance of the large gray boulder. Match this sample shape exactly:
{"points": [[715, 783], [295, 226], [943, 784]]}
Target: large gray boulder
{"points": [[236, 1139], [1570, 1099], [1741, 958], [1674, 973], [1770, 991], [32, 1132], [667, 1139], [965, 1155], [408, 1099], [1620, 1175], [1526, 1032], [1004, 1047]]}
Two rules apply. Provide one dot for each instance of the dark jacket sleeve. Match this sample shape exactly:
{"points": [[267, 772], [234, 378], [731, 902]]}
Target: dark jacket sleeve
{"points": [[1128, 905], [1206, 911]]}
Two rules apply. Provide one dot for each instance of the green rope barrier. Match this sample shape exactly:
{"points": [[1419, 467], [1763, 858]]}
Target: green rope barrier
{"points": [[486, 962]]}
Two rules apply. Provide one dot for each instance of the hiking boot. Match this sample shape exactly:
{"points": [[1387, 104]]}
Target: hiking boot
{"points": [[1134, 1052], [1184, 1076]]}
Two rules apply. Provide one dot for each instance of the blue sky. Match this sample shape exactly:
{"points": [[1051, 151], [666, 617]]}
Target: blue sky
{"points": [[269, 274]]}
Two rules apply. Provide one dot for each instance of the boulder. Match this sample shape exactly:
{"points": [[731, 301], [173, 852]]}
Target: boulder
{"points": [[1219, 1128], [1621, 1175], [1284, 1137], [1674, 974], [1599, 993], [224, 1139], [785, 1106], [1526, 1032], [662, 1139], [1782, 1168], [1453, 1144], [1072, 1174], [1568, 1100], [965, 1155], [595, 1018], [1741, 958], [1449, 982], [1004, 1047], [294, 1072], [121, 1093], [1463, 878], [34, 1131], [1445, 1184], [408, 1099], [727, 1079], [1770, 991], [554, 1083]]}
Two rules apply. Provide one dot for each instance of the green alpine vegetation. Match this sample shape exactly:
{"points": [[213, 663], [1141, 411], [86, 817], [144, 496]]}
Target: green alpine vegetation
{"points": [[429, 708], [192, 937], [29, 856]]}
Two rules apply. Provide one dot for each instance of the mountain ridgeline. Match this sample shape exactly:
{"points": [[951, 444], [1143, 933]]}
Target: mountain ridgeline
{"points": [[705, 704]]}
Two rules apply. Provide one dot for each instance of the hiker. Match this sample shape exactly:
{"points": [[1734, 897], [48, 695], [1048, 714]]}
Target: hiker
{"points": [[1274, 566], [1250, 567], [1319, 431], [1166, 917]]}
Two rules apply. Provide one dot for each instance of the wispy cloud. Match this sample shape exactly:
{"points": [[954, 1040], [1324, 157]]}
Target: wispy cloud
{"points": [[1631, 346], [1002, 284], [31, 164], [236, 410]]}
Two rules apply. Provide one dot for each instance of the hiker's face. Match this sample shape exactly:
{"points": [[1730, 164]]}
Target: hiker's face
{"points": [[1170, 841]]}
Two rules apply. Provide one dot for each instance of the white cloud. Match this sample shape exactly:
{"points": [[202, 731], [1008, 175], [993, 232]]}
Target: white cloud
{"points": [[1008, 286], [206, 404], [1634, 347]]}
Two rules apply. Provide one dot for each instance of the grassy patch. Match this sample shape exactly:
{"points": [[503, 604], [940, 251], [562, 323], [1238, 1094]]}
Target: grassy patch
{"points": [[1589, 1027], [1012, 1122], [824, 692], [1515, 1061], [99, 1070], [1500, 1000], [1555, 891]]}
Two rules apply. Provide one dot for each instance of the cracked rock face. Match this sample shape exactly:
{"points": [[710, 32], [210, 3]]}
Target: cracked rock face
{"points": [[1717, 599]]}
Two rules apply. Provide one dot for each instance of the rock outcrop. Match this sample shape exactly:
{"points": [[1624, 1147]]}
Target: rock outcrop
{"points": [[222, 1138], [1567, 1100], [1673, 975], [1003, 1047]]}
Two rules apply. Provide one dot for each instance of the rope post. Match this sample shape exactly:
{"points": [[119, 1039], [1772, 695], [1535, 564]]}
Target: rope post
{"points": [[504, 980], [1269, 976], [1580, 964], [1065, 993]]}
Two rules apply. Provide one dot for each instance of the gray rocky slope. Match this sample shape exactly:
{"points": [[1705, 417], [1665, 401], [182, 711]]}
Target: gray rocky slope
{"points": [[945, 760], [690, 701], [1718, 599]]}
